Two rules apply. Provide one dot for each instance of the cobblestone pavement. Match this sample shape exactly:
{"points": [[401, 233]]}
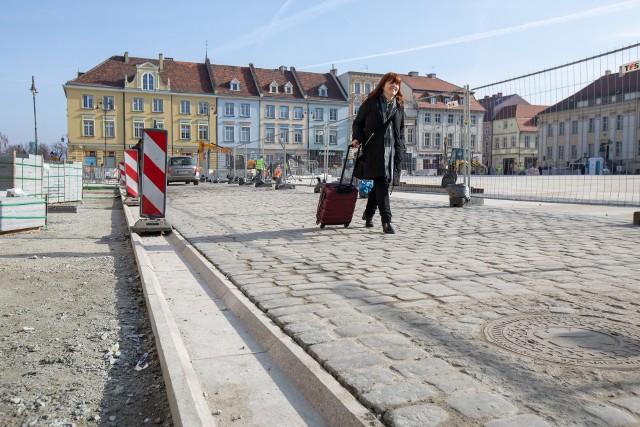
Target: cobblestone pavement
{"points": [[483, 315]]}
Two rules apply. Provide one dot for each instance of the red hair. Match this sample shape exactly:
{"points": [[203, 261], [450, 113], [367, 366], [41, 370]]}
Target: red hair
{"points": [[389, 77]]}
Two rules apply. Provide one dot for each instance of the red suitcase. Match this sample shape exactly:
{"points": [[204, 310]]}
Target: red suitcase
{"points": [[337, 201]]}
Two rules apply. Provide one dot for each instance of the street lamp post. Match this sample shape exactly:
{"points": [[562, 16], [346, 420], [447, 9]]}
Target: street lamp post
{"points": [[35, 121], [104, 109]]}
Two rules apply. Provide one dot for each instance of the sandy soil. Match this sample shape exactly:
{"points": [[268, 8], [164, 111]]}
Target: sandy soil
{"points": [[74, 326]]}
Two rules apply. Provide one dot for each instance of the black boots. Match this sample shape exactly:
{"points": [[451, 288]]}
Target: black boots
{"points": [[368, 220], [387, 228]]}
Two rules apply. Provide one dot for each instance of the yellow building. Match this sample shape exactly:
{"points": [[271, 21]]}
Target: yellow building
{"points": [[110, 105]]}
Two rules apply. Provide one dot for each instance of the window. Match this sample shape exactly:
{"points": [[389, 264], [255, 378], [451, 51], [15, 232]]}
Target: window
{"points": [[561, 128], [504, 142], [450, 118], [561, 152], [446, 100], [592, 125], [527, 142], [273, 87], [549, 153], [574, 127], [185, 107], [536, 142], [270, 111], [229, 109], [284, 112], [234, 85], [449, 140], [158, 124], [356, 107], [497, 143], [472, 141], [228, 133], [270, 133], [185, 131], [107, 102], [426, 141], [618, 149], [288, 88], [203, 132], [318, 114], [432, 100], [437, 141], [574, 151], [367, 88], [590, 150], [549, 130], [284, 134], [333, 114], [322, 91], [87, 102], [618, 122], [319, 134], [504, 124], [245, 133], [333, 137], [409, 134], [605, 123], [427, 117], [437, 118], [137, 129], [297, 113], [203, 108], [137, 104], [356, 87], [245, 110], [87, 128], [474, 120], [297, 134], [109, 129], [158, 105], [513, 141], [148, 82]]}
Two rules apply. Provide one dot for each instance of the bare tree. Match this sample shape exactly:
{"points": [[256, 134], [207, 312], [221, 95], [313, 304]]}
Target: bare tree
{"points": [[58, 151], [4, 143]]}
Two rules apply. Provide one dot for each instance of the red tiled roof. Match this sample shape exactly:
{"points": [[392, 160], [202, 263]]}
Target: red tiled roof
{"points": [[311, 83], [185, 77], [266, 76], [224, 74], [524, 115], [425, 87]]}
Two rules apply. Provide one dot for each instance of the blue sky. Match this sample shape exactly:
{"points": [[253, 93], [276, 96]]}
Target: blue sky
{"points": [[463, 41]]}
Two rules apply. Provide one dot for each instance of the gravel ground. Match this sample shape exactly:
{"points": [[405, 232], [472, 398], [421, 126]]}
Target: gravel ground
{"points": [[74, 326]]}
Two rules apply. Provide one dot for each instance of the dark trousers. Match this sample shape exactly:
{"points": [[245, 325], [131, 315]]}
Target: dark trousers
{"points": [[379, 198]]}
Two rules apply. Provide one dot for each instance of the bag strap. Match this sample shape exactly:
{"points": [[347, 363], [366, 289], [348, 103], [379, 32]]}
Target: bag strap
{"points": [[384, 125]]}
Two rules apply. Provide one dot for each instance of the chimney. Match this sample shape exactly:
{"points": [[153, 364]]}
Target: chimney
{"points": [[413, 74], [606, 73], [126, 57], [431, 75], [333, 70], [161, 62], [282, 68], [499, 95]]}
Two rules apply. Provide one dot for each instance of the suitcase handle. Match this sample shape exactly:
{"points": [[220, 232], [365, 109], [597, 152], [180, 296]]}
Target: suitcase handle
{"points": [[344, 166]]}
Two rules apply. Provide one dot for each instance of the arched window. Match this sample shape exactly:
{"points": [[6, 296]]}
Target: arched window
{"points": [[148, 82]]}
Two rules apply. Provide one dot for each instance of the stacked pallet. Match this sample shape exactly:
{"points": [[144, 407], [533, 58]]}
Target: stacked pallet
{"points": [[20, 213]]}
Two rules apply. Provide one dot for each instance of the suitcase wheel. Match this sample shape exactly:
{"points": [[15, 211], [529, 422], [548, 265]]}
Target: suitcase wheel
{"points": [[321, 225], [346, 225]]}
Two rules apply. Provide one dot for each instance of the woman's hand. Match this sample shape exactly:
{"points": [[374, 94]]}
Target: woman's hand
{"points": [[355, 143]]}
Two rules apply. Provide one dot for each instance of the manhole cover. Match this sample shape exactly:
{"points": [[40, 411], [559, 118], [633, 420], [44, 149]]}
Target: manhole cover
{"points": [[572, 340]]}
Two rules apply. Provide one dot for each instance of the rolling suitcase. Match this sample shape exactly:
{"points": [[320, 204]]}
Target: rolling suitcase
{"points": [[337, 201]]}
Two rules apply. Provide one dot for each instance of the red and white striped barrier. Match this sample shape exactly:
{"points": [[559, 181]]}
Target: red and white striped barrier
{"points": [[131, 172], [121, 171], [154, 169]]}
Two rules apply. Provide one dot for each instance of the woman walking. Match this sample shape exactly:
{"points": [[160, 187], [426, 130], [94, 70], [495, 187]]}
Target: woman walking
{"points": [[379, 129]]}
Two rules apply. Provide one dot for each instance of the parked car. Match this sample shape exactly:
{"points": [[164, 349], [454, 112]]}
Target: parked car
{"points": [[182, 169]]}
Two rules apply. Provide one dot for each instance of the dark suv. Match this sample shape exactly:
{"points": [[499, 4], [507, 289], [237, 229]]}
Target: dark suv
{"points": [[182, 169]]}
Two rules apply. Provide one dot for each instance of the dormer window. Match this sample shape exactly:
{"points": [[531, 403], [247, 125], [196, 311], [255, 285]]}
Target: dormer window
{"points": [[432, 100], [234, 85], [446, 100], [148, 82], [273, 87], [322, 91], [288, 88]]}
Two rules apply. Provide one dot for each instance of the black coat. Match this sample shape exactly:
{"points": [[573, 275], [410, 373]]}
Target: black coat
{"points": [[369, 121]]}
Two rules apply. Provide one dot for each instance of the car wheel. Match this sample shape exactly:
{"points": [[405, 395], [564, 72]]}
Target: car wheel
{"points": [[196, 182]]}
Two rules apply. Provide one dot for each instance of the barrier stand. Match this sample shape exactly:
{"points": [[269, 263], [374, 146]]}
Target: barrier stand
{"points": [[636, 218], [131, 178], [153, 197]]}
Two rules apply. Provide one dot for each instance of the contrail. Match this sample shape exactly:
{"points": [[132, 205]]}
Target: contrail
{"points": [[274, 21], [494, 33], [266, 31]]}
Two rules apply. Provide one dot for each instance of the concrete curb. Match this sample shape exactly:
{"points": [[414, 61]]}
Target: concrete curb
{"points": [[186, 399], [336, 405]]}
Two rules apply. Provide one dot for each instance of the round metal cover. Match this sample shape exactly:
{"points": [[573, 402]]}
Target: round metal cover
{"points": [[572, 340]]}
